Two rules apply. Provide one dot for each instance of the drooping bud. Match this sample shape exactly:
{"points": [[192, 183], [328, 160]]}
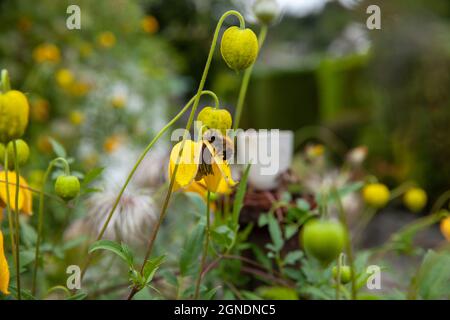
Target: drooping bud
{"points": [[266, 11], [239, 48]]}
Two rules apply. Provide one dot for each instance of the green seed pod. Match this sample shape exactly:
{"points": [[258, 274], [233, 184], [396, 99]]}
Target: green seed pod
{"points": [[346, 274], [212, 118], [23, 153], [266, 11], [14, 111], [239, 48], [67, 187]]}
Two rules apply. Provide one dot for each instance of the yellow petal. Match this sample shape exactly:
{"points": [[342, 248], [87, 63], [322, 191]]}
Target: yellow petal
{"points": [[12, 190], [188, 162], [221, 171], [27, 197], [4, 269]]}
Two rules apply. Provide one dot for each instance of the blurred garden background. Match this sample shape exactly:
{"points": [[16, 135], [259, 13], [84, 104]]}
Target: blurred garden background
{"points": [[97, 95]]}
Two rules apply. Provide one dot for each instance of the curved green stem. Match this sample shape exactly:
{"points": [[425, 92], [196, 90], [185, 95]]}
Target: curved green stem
{"points": [[440, 201], [136, 165], [6, 86], [205, 248], [41, 216], [349, 249], [246, 80], [17, 222], [134, 290]]}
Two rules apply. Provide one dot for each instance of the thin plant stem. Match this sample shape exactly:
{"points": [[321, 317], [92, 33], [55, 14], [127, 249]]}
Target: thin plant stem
{"points": [[134, 290], [246, 80], [343, 219], [136, 165], [10, 216], [205, 248], [41, 217], [17, 222], [25, 187]]}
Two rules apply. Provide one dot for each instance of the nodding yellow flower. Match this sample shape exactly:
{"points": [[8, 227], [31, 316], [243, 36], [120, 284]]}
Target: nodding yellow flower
{"points": [[64, 78], [149, 24], [76, 118], [376, 195], [25, 202], [445, 228], [14, 113], [40, 110], [46, 52], [106, 39], [415, 199], [4, 269], [201, 165], [118, 102]]}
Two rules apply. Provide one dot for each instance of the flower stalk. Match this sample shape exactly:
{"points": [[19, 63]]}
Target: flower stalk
{"points": [[205, 248], [41, 216]]}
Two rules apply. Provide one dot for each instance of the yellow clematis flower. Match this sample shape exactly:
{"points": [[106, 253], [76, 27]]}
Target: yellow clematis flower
{"points": [[25, 196], [201, 167], [4, 269], [445, 228]]}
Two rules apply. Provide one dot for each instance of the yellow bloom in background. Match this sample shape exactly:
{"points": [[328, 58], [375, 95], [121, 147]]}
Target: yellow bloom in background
{"points": [[46, 52], [149, 24], [118, 102], [64, 78], [43, 144], [112, 143], [25, 202], [76, 118], [79, 89], [415, 199], [106, 39], [4, 269], [376, 195], [40, 110], [86, 50], [445, 228], [193, 168], [315, 151]]}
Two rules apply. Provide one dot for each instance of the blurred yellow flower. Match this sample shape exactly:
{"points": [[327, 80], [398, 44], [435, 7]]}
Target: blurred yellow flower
{"points": [[46, 52], [315, 151], [40, 110], [76, 118], [415, 199], [4, 269], [149, 24], [445, 228], [79, 89], [118, 102], [86, 49], [112, 143], [106, 39], [376, 195], [43, 144], [193, 167], [25, 202], [64, 78]]}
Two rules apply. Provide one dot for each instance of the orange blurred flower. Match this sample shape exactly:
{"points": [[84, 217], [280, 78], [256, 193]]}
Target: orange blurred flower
{"points": [[149, 24], [46, 52]]}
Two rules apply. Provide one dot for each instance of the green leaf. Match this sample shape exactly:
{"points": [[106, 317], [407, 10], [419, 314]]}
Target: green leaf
{"points": [[78, 296], [239, 198], [263, 220], [92, 175], [275, 233], [58, 148], [192, 249], [433, 280], [151, 266], [277, 293], [292, 257], [114, 247], [223, 235], [211, 293], [303, 205], [290, 230]]}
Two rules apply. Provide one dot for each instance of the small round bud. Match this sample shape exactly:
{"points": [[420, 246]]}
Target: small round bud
{"points": [[239, 48], [415, 199], [67, 187], [346, 274], [212, 118], [376, 195], [14, 111], [23, 153], [267, 11]]}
